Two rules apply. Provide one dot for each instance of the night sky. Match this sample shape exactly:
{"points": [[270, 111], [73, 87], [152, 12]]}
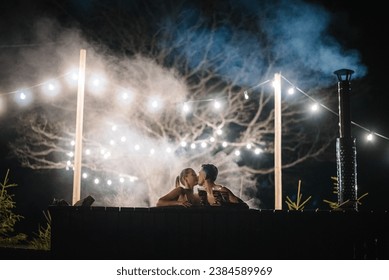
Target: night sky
{"points": [[357, 28]]}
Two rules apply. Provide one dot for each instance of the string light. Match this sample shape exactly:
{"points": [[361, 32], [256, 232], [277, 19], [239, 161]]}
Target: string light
{"points": [[186, 107], [217, 104], [315, 107], [333, 112], [246, 92], [52, 88], [291, 91], [246, 95]]}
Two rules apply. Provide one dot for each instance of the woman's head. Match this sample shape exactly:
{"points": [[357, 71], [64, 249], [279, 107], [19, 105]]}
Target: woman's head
{"points": [[207, 172], [188, 177]]}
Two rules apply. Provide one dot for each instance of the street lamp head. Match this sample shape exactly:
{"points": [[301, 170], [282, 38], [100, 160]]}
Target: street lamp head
{"points": [[344, 74]]}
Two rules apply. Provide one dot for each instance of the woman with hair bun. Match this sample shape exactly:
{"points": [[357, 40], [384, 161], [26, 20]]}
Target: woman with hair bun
{"points": [[182, 194]]}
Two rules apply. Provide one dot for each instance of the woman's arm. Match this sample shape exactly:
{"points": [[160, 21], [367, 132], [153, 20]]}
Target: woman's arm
{"points": [[171, 198]]}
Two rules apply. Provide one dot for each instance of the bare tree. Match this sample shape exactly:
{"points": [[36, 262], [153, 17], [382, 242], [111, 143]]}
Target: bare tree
{"points": [[179, 90]]}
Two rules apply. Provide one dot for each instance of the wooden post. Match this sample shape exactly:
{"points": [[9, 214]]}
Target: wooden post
{"points": [[79, 125], [277, 143]]}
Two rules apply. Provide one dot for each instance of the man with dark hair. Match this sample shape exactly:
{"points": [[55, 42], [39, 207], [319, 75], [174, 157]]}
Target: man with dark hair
{"points": [[217, 194], [211, 171]]}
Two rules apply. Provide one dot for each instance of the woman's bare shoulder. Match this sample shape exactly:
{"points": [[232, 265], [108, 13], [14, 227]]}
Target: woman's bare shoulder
{"points": [[223, 188]]}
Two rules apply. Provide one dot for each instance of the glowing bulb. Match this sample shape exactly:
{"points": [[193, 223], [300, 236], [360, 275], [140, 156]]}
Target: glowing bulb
{"points": [[109, 182], [203, 144], [96, 181], [193, 146], [70, 154], [217, 104], [112, 142], [87, 152], [183, 144], [123, 139], [246, 95], [84, 175], [315, 107], [224, 144], [125, 98], [155, 104], [237, 152], [137, 147], [369, 137], [124, 95], [219, 132], [121, 180], [23, 98], [168, 150], [96, 82], [291, 91], [73, 143], [257, 151], [212, 139], [72, 77], [248, 146], [152, 151], [186, 107]]}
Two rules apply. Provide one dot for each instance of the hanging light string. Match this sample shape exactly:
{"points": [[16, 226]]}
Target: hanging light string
{"points": [[36, 85], [260, 84], [256, 150], [256, 86], [333, 112], [213, 99]]}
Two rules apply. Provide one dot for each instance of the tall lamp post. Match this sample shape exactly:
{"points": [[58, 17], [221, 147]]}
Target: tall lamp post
{"points": [[345, 146], [277, 143], [79, 126]]}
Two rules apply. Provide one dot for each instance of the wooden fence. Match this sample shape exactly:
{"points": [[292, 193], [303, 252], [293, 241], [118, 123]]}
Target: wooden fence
{"points": [[216, 233]]}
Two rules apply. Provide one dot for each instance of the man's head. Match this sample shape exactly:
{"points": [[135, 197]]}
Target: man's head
{"points": [[207, 172]]}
